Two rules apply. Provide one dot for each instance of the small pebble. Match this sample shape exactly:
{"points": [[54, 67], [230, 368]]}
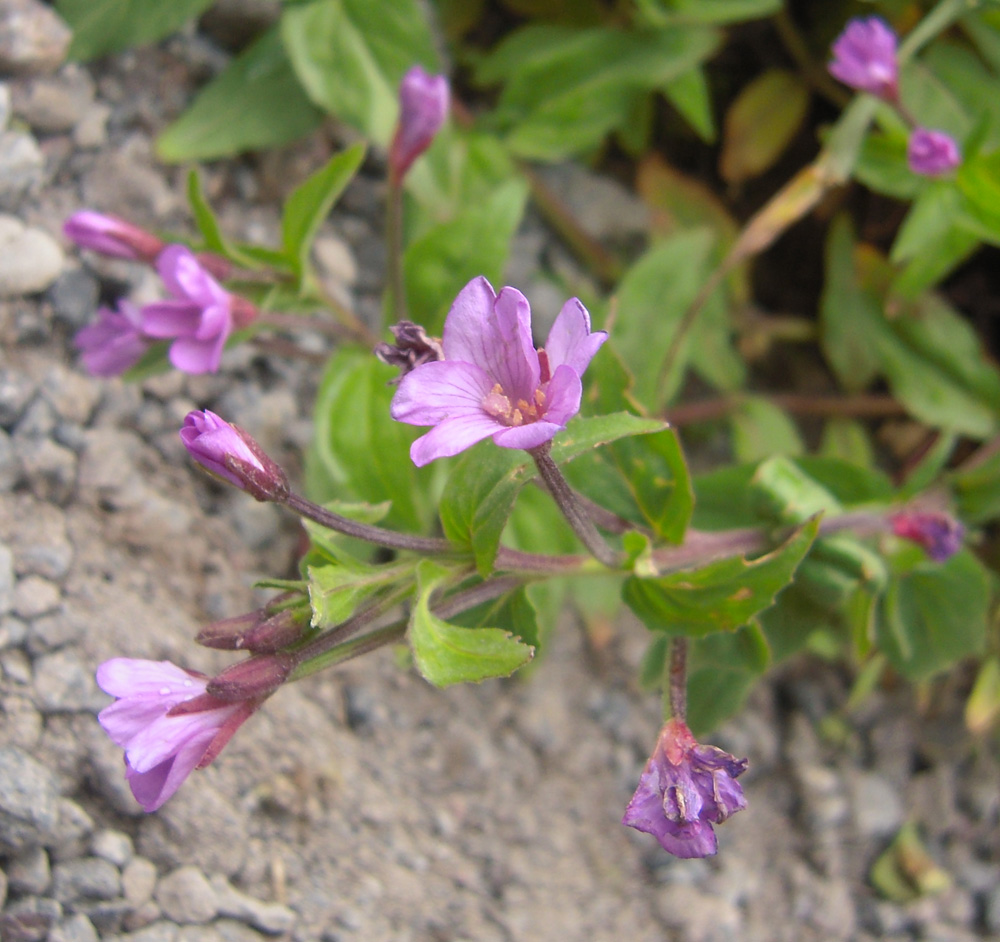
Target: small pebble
{"points": [[34, 39], [34, 596], [139, 881], [114, 846], [185, 896], [77, 928], [29, 872], [30, 259]]}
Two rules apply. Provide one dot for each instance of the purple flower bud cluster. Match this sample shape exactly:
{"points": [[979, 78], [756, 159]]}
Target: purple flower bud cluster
{"points": [[865, 57], [685, 789], [198, 318]]}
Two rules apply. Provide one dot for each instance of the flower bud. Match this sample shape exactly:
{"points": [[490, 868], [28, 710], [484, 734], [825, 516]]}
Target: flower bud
{"points": [[112, 236], [864, 57], [228, 452], [938, 533], [932, 153], [257, 632], [256, 677], [423, 106]]}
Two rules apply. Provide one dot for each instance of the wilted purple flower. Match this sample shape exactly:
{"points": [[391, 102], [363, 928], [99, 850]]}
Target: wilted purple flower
{"points": [[423, 106], [938, 533], [201, 316], [413, 346], [685, 789], [110, 235], [166, 723], [932, 153], [227, 451], [114, 342], [492, 380], [864, 57]]}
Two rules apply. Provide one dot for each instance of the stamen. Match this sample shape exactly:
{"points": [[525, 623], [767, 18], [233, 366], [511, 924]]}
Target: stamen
{"points": [[496, 403], [516, 418]]}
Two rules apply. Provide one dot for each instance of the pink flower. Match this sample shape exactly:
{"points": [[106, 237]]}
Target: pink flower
{"points": [[114, 342], [864, 57], [685, 789], [932, 153], [110, 235], [166, 723], [201, 316], [423, 106], [492, 381], [228, 452]]}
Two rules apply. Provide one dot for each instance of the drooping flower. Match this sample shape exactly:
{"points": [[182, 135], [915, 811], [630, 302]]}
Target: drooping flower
{"points": [[114, 342], [864, 57], [424, 100], [229, 452], [166, 723], [940, 534], [932, 153], [492, 381], [413, 347], [685, 789], [201, 315], [110, 235]]}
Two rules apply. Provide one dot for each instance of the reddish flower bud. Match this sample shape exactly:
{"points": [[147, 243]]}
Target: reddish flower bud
{"points": [[932, 153], [254, 678], [112, 236], [423, 106], [938, 533]]}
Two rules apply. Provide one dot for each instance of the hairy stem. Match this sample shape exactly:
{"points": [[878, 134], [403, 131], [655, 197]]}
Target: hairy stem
{"points": [[677, 677]]}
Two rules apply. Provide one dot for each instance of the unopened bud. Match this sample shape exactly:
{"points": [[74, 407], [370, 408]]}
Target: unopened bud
{"points": [[423, 106], [938, 533], [228, 452], [218, 267], [112, 236], [256, 677]]}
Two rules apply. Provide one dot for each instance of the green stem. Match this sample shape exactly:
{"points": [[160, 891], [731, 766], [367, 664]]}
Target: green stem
{"points": [[394, 242]]}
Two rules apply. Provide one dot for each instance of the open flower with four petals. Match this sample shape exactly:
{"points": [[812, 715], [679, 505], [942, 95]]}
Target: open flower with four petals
{"points": [[492, 381]]}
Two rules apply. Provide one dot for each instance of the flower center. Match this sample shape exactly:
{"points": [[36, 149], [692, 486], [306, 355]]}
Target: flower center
{"points": [[498, 405]]}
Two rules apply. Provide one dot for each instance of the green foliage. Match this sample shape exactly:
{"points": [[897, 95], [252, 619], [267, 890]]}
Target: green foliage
{"points": [[720, 596], [102, 26], [255, 103], [350, 55], [448, 654]]}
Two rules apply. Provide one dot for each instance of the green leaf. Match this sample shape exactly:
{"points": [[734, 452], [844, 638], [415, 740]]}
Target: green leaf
{"points": [[761, 122], [101, 26], [977, 491], [934, 615], [782, 491], [350, 56], [448, 654], [690, 95], [204, 218], [722, 670], [514, 612], [795, 616], [441, 262], [359, 452], [721, 596], [761, 429], [254, 104], [311, 201], [982, 709], [566, 88], [337, 591], [707, 11]]}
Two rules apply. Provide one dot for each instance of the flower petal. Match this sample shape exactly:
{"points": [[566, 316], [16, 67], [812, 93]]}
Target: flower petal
{"points": [[527, 436], [167, 735], [441, 390], [197, 356], [186, 279], [562, 396], [570, 341], [139, 678], [171, 319], [452, 436]]}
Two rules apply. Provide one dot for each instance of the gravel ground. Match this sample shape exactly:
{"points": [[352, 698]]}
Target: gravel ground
{"points": [[360, 805]]}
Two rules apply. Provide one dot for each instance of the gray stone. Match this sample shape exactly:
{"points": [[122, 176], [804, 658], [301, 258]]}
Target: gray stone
{"points": [[3, 888], [74, 296], [6, 579], [53, 104], [16, 391], [13, 632], [10, 467], [230, 930], [39, 421], [74, 825], [5, 106], [30, 259], [51, 632], [139, 881], [63, 682], [699, 917], [991, 910], [141, 916], [77, 928], [16, 666], [113, 846], [273, 918], [49, 468], [185, 896], [30, 918], [29, 871], [22, 167], [72, 396], [20, 722], [28, 801], [875, 805], [91, 131], [33, 38], [43, 548], [85, 878], [34, 596]]}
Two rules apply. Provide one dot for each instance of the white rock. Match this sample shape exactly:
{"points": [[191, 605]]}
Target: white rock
{"points": [[30, 259]]}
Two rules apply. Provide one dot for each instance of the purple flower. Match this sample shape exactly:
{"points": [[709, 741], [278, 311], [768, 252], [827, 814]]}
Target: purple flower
{"points": [[423, 106], [932, 153], [114, 342], [685, 789], [938, 533], [201, 316], [166, 723], [492, 380], [228, 452], [110, 235], [864, 57]]}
